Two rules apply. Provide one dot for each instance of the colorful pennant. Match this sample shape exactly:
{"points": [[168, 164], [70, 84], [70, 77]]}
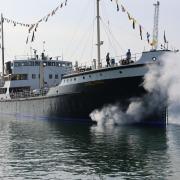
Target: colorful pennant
{"points": [[33, 27], [134, 22]]}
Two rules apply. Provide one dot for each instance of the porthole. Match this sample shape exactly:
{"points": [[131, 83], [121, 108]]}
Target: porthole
{"points": [[74, 79], [154, 58], [83, 77], [120, 72], [89, 76]]}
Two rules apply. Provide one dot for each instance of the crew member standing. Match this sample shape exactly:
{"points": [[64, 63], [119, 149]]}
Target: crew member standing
{"points": [[128, 56], [108, 60]]}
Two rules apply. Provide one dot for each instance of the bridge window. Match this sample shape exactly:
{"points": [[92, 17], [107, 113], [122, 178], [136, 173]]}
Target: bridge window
{"points": [[17, 77], [50, 76], [3, 90], [37, 63], [33, 76], [56, 76]]}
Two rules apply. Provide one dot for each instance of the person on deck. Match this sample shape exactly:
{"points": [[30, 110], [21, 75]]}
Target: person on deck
{"points": [[108, 60], [128, 56]]}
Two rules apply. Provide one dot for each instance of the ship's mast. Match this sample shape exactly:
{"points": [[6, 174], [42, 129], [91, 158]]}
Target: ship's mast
{"points": [[156, 25], [98, 37], [2, 43]]}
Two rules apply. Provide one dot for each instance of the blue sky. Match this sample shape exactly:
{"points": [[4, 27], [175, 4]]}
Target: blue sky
{"points": [[71, 31]]}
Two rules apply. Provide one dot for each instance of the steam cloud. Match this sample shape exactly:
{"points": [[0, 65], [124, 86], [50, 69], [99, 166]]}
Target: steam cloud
{"points": [[162, 82]]}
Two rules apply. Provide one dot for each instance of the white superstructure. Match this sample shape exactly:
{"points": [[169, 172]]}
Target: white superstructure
{"points": [[32, 74]]}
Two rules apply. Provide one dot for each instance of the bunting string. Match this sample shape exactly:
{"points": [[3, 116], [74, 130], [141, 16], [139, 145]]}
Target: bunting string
{"points": [[134, 23], [32, 28]]}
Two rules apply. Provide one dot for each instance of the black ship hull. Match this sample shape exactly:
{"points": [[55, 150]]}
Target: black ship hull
{"points": [[75, 102]]}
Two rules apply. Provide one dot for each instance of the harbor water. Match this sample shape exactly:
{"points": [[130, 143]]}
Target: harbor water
{"points": [[32, 149]]}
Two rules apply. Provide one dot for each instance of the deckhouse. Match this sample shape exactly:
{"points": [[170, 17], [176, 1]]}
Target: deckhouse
{"points": [[30, 74]]}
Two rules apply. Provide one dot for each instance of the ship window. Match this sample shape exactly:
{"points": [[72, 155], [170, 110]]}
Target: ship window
{"points": [[37, 63], [15, 64], [16, 77], [29, 63], [120, 72], [33, 76], [89, 76], [49, 63], [56, 76], [100, 74], [26, 63], [69, 64], [32, 63], [83, 77], [74, 79], [50, 76], [62, 75], [3, 90]]}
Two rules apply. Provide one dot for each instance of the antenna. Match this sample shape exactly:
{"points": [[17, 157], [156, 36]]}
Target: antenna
{"points": [[44, 42], [2, 38], [156, 26]]}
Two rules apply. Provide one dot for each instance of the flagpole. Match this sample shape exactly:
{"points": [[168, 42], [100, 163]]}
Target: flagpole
{"points": [[2, 48]]}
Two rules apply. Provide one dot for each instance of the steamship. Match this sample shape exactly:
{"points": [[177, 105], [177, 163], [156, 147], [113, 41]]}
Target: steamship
{"points": [[53, 89]]}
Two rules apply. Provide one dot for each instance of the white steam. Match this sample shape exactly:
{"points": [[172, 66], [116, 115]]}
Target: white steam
{"points": [[163, 85], [166, 79]]}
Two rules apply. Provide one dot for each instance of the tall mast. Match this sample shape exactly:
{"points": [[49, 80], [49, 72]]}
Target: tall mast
{"points": [[98, 37], [2, 38], [156, 25]]}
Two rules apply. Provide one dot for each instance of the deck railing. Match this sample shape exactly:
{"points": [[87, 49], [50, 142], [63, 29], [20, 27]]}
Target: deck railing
{"points": [[114, 61], [27, 94]]}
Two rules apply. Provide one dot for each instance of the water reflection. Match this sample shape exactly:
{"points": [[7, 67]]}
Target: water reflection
{"points": [[47, 150]]}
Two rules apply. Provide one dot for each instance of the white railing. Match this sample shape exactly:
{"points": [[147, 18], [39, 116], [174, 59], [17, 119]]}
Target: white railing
{"points": [[27, 94], [114, 61]]}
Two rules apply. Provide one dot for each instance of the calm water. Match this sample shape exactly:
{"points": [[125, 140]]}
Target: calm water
{"points": [[44, 150]]}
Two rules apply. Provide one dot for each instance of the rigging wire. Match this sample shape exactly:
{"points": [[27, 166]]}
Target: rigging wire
{"points": [[106, 16], [85, 45], [109, 38], [116, 42], [75, 32], [83, 40], [92, 42]]}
